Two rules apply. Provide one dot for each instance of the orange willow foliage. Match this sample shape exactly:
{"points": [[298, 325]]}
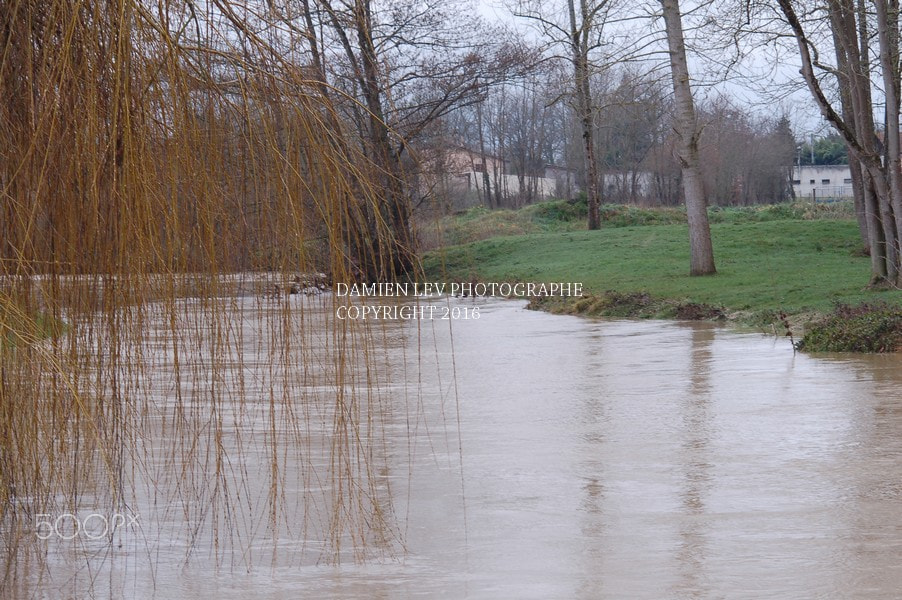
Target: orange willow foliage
{"points": [[146, 152]]}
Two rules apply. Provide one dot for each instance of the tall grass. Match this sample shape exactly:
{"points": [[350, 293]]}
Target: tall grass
{"points": [[151, 149]]}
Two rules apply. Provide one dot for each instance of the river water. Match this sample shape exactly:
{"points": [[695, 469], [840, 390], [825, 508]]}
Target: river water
{"points": [[527, 455]]}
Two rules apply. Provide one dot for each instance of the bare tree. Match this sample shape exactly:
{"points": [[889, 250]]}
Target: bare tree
{"points": [[579, 36], [401, 66], [580, 31], [879, 167], [630, 119], [701, 252], [747, 158], [486, 182], [852, 78]]}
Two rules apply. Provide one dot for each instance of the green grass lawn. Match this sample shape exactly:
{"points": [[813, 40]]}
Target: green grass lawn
{"points": [[789, 265], [559, 216]]}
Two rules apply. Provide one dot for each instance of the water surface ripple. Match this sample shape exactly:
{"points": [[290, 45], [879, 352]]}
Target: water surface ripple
{"points": [[587, 459]]}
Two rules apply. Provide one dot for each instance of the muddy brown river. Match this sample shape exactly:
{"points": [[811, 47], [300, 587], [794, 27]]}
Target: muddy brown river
{"points": [[526, 455]]}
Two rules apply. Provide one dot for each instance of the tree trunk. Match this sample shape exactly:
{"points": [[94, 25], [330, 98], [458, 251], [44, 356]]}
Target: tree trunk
{"points": [[701, 252], [858, 198], [394, 252], [870, 203], [876, 239], [864, 121], [888, 35], [579, 45], [847, 52], [486, 183]]}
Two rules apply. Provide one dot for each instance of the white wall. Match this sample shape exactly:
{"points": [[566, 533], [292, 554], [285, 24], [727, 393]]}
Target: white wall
{"points": [[510, 184], [822, 182]]}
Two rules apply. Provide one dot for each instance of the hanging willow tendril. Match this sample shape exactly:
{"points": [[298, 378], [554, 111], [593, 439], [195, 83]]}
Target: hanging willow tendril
{"points": [[151, 153]]}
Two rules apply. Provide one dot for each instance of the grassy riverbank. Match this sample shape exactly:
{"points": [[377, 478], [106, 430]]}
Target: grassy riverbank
{"points": [[801, 260], [18, 326]]}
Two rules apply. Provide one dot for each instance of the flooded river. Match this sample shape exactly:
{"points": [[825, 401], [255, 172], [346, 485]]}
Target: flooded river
{"points": [[525, 455]]}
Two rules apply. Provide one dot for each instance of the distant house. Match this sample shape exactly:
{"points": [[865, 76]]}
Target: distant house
{"points": [[460, 176], [822, 183]]}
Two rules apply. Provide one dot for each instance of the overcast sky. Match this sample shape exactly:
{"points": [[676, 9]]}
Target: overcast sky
{"points": [[766, 82]]}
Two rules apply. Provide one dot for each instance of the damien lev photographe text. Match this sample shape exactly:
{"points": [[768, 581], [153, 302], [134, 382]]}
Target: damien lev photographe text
{"points": [[426, 290]]}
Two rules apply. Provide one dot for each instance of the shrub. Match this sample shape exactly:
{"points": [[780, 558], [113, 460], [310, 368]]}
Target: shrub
{"points": [[559, 210], [875, 327]]}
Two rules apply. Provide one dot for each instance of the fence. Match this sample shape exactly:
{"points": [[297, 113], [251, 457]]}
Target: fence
{"points": [[833, 193]]}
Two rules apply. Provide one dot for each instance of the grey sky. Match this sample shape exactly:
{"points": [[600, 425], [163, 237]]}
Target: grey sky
{"points": [[766, 82]]}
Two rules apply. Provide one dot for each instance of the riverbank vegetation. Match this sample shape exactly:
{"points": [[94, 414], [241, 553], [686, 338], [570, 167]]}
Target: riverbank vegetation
{"points": [[19, 327], [867, 327], [796, 259]]}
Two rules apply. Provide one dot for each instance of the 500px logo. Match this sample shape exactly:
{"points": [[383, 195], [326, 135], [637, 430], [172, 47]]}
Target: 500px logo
{"points": [[93, 527]]}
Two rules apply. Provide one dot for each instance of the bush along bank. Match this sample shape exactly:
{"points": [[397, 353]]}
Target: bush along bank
{"points": [[868, 327]]}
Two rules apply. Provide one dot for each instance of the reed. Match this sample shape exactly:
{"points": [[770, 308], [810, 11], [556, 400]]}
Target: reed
{"points": [[150, 151]]}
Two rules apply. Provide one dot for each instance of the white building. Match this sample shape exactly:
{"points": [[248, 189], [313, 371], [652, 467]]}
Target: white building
{"points": [[822, 183], [459, 175]]}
